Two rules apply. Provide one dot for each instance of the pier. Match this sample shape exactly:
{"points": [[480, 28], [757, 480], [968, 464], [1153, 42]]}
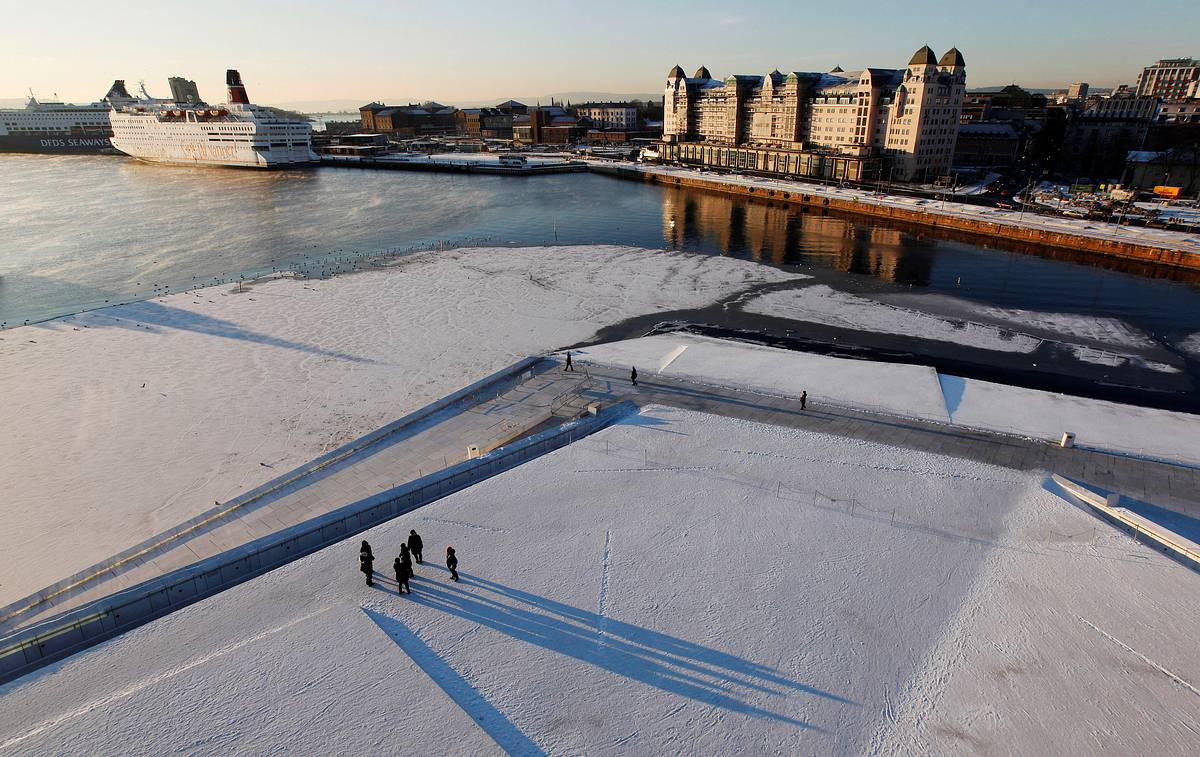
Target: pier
{"points": [[454, 163]]}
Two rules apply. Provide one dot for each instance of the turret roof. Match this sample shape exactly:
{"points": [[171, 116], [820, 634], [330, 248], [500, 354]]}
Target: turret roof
{"points": [[923, 57], [953, 58]]}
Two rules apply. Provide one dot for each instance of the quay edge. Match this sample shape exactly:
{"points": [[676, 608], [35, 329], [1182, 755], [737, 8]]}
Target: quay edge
{"points": [[929, 218]]}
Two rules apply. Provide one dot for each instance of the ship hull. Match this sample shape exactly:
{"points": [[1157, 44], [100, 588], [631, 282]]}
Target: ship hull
{"points": [[234, 142], [61, 144], [222, 163]]}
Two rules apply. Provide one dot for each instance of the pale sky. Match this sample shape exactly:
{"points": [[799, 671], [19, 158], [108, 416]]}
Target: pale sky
{"points": [[305, 50]]}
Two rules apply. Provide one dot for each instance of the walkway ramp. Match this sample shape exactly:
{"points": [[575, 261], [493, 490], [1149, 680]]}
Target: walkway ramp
{"points": [[1170, 532], [506, 406]]}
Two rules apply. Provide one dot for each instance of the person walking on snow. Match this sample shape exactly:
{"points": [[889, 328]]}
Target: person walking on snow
{"points": [[404, 571], [366, 562], [803, 400], [452, 563], [415, 545], [633, 375], [569, 366]]}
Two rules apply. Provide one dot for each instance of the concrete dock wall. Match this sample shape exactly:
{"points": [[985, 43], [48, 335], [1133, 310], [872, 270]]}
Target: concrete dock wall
{"points": [[451, 166], [928, 218]]}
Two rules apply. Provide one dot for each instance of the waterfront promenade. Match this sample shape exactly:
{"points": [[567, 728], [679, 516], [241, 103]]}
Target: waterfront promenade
{"points": [[549, 396]]}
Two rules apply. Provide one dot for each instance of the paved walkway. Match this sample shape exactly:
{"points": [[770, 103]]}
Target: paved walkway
{"points": [[427, 446], [553, 396], [1176, 487]]}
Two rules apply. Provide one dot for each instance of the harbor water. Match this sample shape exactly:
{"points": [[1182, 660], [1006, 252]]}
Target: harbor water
{"points": [[79, 232]]}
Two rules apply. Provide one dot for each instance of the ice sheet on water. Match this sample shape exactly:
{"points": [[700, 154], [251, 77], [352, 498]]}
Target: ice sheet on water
{"points": [[821, 304]]}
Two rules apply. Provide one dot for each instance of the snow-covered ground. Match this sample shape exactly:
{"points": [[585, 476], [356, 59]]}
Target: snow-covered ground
{"points": [[1191, 345], [124, 421], [1072, 641], [910, 391], [1169, 212], [678, 584], [1097, 424], [1173, 240], [820, 304], [976, 187]]}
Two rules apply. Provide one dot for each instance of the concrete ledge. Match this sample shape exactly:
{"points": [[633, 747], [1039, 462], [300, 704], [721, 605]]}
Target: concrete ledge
{"points": [[81, 578], [1107, 507], [29, 649]]}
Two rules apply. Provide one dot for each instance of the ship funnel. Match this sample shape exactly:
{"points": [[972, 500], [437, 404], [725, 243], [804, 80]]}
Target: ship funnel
{"points": [[117, 91], [237, 92]]}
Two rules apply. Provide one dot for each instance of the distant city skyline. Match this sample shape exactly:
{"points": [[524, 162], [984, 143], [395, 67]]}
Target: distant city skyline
{"points": [[473, 52]]}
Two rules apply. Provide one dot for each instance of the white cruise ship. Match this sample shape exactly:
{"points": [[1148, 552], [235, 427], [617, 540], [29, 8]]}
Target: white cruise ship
{"points": [[234, 134], [57, 127]]}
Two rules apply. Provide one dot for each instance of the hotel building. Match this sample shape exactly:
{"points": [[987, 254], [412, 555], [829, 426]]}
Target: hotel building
{"points": [[859, 126]]}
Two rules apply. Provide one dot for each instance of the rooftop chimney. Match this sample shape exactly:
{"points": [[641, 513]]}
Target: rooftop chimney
{"points": [[237, 92]]}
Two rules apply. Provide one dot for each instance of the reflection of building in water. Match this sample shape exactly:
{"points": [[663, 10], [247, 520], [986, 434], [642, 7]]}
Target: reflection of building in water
{"points": [[742, 229], [778, 234]]}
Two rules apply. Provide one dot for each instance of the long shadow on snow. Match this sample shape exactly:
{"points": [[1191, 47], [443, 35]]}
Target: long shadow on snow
{"points": [[153, 316], [493, 722], [665, 662]]}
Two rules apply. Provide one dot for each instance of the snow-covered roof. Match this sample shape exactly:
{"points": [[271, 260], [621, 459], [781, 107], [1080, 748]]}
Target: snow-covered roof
{"points": [[1142, 156]]}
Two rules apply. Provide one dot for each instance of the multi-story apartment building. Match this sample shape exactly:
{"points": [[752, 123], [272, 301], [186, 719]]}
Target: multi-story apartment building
{"points": [[1170, 79], [1099, 136], [1179, 112], [407, 120], [483, 123], [835, 125], [622, 116]]}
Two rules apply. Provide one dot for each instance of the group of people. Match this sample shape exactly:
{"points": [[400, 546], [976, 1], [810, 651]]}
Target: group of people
{"points": [[403, 564], [570, 366]]}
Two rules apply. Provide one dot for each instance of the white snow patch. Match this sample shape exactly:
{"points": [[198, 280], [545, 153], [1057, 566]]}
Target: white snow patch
{"points": [[1095, 328], [1117, 360], [1191, 345], [821, 304]]}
